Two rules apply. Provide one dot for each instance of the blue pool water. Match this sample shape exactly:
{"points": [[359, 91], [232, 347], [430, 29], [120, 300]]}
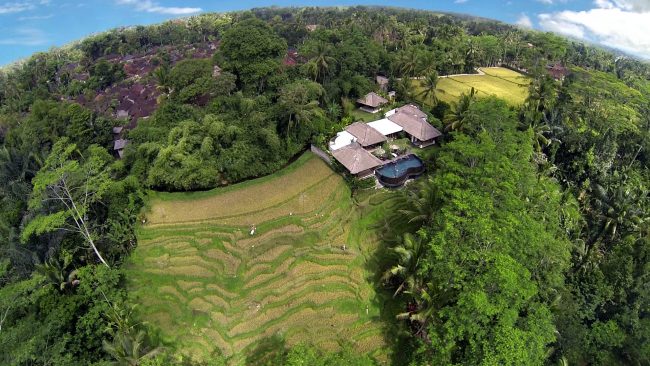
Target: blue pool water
{"points": [[396, 173]]}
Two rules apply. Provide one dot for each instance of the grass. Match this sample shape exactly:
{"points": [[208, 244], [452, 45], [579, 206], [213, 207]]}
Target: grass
{"points": [[360, 115], [210, 286], [497, 81]]}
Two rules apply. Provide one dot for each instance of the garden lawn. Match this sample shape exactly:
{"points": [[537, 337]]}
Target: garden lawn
{"points": [[210, 286], [500, 82], [360, 115]]}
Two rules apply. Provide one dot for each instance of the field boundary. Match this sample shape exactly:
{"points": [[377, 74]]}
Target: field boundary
{"points": [[196, 195]]}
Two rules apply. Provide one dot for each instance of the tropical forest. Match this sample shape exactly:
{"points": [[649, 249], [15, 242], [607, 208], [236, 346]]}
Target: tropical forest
{"points": [[175, 194]]}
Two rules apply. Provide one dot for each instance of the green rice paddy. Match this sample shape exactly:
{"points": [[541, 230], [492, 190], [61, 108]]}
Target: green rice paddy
{"points": [[497, 81], [210, 286]]}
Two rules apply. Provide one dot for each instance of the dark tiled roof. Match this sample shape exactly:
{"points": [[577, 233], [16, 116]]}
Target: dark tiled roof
{"points": [[355, 158], [411, 110], [415, 126], [366, 135], [373, 100], [120, 144]]}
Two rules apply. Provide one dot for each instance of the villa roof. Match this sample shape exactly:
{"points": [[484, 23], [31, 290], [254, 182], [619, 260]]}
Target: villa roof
{"points": [[373, 100], [355, 158], [366, 135], [117, 129], [119, 144], [385, 126], [381, 80], [557, 71], [415, 126], [343, 138], [408, 109]]}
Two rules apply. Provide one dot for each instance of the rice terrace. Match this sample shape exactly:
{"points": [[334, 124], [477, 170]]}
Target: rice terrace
{"points": [[498, 81], [285, 256]]}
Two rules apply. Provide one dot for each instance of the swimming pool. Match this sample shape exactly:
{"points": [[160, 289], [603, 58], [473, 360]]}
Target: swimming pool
{"points": [[395, 173]]}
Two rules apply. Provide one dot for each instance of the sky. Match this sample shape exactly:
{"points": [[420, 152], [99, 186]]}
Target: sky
{"points": [[28, 26]]}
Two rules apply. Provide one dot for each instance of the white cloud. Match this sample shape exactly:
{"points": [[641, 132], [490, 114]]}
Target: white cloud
{"points": [[153, 7], [25, 37], [36, 17], [9, 8], [622, 24], [551, 2], [524, 21], [460, 1], [641, 6]]}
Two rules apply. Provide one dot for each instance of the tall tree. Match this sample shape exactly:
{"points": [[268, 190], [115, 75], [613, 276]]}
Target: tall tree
{"points": [[65, 191], [429, 87]]}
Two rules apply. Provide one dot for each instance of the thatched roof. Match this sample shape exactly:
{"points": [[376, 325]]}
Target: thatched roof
{"points": [[120, 144], [412, 110], [366, 135], [415, 126], [373, 100], [355, 158]]}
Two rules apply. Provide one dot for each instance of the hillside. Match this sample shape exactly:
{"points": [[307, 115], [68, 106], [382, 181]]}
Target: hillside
{"points": [[197, 263], [162, 202]]}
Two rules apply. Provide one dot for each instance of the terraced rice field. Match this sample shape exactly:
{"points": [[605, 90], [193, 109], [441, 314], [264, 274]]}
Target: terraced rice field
{"points": [[209, 285], [498, 81]]}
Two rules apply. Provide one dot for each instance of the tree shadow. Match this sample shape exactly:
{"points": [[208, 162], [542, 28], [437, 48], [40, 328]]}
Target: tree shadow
{"points": [[268, 351], [390, 226]]}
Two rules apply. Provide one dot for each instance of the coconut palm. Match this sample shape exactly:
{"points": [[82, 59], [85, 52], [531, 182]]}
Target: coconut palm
{"points": [[419, 204], [128, 350], [426, 63], [320, 60], [455, 118], [617, 208], [424, 308], [334, 111], [430, 85], [408, 62], [58, 273], [407, 259], [161, 74], [404, 89]]}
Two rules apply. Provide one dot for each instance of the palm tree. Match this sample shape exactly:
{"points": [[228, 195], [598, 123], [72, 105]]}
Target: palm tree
{"points": [[418, 205], [408, 62], [405, 89], [161, 73], [334, 111], [128, 350], [456, 117], [540, 141], [305, 114], [617, 208], [408, 255], [321, 60], [424, 309], [430, 85], [426, 63], [57, 273]]}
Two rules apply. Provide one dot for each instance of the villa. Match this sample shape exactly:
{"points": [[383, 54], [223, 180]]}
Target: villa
{"points": [[371, 102], [414, 122], [357, 160], [359, 147]]}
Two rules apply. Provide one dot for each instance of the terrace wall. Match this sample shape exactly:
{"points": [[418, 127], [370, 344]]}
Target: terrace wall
{"points": [[321, 154]]}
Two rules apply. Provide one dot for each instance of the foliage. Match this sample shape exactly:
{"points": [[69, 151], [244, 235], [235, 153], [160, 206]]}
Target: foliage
{"points": [[528, 244], [252, 51]]}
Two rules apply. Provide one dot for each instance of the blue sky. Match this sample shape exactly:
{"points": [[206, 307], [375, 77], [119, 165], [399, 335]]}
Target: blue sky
{"points": [[27, 26]]}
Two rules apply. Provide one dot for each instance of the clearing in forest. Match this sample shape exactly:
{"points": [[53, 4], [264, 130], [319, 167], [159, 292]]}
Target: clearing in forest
{"points": [[209, 285], [498, 81]]}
